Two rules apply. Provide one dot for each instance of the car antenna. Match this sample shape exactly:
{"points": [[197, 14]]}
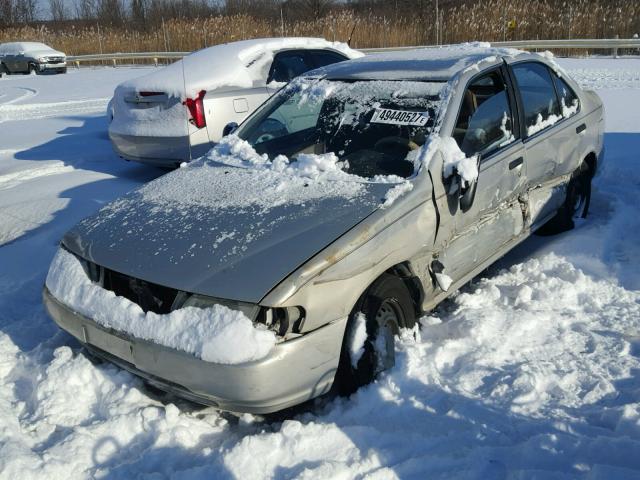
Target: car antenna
{"points": [[351, 34]]}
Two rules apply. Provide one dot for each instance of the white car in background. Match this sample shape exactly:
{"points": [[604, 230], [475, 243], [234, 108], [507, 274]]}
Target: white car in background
{"points": [[30, 57], [179, 112]]}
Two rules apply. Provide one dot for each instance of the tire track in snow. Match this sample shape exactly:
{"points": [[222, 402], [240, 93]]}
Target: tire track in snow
{"points": [[22, 94], [10, 180], [46, 110]]}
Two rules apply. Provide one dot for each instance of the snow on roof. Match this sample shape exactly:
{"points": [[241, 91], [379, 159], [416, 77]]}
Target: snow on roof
{"points": [[433, 63], [23, 47], [241, 64]]}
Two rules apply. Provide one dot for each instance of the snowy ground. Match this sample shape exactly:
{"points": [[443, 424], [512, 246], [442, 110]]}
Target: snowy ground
{"points": [[530, 372]]}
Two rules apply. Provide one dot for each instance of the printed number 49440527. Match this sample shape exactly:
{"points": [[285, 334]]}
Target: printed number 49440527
{"points": [[399, 117]]}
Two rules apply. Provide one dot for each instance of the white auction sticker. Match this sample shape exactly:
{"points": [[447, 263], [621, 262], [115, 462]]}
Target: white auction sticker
{"points": [[399, 117]]}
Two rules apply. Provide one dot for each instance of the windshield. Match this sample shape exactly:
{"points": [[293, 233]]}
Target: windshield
{"points": [[371, 126]]}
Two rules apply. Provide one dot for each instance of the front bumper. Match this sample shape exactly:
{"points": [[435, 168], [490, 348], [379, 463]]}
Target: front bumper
{"points": [[58, 66], [295, 371]]}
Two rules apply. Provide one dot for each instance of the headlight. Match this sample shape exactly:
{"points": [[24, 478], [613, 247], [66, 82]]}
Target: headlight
{"points": [[92, 270], [282, 320], [43, 59], [202, 301]]}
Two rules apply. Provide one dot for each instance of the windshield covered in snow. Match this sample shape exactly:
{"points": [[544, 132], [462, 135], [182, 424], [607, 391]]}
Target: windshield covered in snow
{"points": [[373, 127]]}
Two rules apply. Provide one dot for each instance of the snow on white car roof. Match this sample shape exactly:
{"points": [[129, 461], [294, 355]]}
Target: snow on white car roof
{"points": [[433, 63], [26, 46], [242, 64]]}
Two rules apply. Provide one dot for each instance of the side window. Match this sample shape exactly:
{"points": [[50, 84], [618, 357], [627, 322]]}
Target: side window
{"points": [[485, 121], [288, 65], [569, 103], [541, 109], [322, 58]]}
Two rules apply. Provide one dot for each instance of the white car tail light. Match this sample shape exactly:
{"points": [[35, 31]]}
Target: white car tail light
{"points": [[196, 110]]}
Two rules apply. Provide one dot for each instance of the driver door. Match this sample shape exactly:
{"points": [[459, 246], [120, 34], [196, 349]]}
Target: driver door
{"points": [[486, 127]]}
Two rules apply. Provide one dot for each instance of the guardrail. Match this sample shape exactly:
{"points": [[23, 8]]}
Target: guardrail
{"points": [[578, 44], [589, 44], [114, 57]]}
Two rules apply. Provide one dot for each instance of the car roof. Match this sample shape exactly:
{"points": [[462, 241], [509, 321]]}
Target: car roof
{"points": [[249, 50], [242, 64], [424, 64], [25, 45]]}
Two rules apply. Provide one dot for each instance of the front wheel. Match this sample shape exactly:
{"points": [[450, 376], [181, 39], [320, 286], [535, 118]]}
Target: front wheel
{"points": [[368, 347], [576, 203], [33, 69]]}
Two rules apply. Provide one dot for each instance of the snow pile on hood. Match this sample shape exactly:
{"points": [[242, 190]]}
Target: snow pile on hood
{"points": [[252, 180], [216, 334], [241, 64]]}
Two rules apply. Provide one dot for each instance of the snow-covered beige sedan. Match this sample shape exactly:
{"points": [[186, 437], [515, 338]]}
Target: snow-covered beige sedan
{"points": [[177, 113], [356, 198]]}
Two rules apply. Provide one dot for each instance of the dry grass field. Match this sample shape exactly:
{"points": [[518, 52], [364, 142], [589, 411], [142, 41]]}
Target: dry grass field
{"points": [[490, 20]]}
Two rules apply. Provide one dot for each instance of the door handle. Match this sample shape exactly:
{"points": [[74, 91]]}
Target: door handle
{"points": [[516, 163], [581, 128]]}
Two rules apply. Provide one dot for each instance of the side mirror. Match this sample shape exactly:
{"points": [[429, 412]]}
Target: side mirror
{"points": [[467, 195], [468, 192], [460, 192], [229, 128]]}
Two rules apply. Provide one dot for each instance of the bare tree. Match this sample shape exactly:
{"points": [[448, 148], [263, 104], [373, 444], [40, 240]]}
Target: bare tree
{"points": [[6, 12], [58, 11], [25, 10], [139, 12], [110, 12], [315, 8], [85, 9]]}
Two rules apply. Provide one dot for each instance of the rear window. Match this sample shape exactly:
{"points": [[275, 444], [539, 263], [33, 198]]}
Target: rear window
{"points": [[322, 58], [288, 65]]}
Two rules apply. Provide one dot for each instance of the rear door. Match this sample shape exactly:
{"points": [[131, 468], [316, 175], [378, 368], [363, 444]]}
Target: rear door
{"points": [[226, 107], [550, 137], [9, 57], [487, 125], [20, 59]]}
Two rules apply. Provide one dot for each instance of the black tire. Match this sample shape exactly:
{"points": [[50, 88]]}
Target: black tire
{"points": [[576, 203], [33, 69], [3, 70], [387, 306]]}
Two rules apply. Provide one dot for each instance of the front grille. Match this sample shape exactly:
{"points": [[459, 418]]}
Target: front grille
{"points": [[149, 296], [55, 60]]}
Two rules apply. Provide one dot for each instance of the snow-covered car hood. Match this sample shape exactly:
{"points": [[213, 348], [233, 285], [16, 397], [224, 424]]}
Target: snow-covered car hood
{"points": [[223, 230], [243, 64]]}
